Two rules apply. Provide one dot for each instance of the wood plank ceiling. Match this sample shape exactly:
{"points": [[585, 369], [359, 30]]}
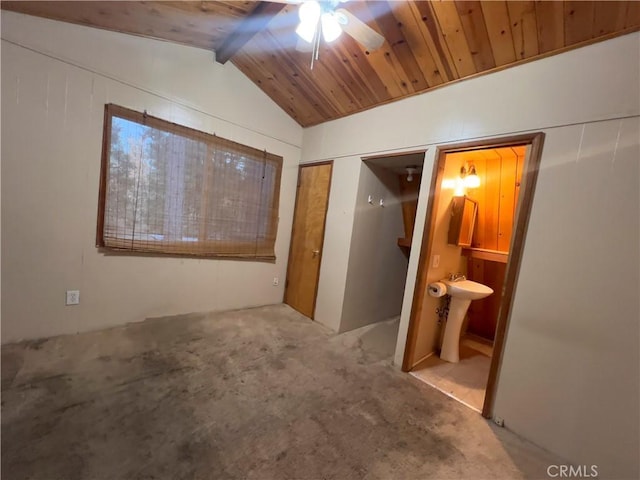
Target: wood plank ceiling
{"points": [[428, 43]]}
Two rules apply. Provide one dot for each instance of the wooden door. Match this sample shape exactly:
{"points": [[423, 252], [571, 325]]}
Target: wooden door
{"points": [[307, 237]]}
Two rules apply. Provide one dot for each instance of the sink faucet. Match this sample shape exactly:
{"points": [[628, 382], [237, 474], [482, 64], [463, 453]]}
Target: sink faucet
{"points": [[454, 277]]}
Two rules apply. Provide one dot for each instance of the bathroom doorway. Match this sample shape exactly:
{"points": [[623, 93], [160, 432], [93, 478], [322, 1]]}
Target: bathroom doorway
{"points": [[499, 178]]}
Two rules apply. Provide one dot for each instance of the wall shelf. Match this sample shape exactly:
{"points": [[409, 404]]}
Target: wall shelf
{"points": [[404, 242]]}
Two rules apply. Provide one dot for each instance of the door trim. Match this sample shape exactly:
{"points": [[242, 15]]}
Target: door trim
{"points": [[324, 229], [394, 154], [523, 211], [423, 265]]}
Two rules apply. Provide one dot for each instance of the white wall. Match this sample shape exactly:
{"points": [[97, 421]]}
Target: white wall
{"points": [[377, 267], [571, 375], [337, 238], [56, 79], [571, 381]]}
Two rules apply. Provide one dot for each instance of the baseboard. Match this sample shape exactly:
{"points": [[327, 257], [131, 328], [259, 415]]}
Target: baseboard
{"points": [[422, 359]]}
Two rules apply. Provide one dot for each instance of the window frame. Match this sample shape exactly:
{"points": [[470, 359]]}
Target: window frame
{"points": [[112, 110]]}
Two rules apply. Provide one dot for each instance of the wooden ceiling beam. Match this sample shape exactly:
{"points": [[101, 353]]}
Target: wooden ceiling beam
{"points": [[253, 23]]}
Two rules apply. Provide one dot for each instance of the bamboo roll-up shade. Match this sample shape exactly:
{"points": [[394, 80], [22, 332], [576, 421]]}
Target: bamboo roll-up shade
{"points": [[169, 189]]}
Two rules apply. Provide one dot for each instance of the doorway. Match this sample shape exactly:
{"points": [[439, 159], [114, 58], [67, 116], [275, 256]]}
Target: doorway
{"points": [[507, 169], [381, 235], [307, 237]]}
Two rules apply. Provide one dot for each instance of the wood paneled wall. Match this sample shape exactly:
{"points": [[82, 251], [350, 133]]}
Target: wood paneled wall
{"points": [[500, 172]]}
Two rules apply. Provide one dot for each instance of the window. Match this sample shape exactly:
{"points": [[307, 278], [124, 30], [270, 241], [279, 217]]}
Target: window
{"points": [[169, 189]]}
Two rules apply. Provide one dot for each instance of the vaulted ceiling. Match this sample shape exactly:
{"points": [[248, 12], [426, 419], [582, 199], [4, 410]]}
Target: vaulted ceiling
{"points": [[428, 44]]}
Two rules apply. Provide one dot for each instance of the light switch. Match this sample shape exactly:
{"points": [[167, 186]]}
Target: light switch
{"points": [[435, 263]]}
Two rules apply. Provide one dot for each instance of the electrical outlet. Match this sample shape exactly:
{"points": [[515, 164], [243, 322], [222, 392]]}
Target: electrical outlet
{"points": [[73, 297], [498, 421], [276, 281], [436, 261]]}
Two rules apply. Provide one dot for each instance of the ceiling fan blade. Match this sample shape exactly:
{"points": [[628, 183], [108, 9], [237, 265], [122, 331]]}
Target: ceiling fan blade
{"points": [[360, 31]]}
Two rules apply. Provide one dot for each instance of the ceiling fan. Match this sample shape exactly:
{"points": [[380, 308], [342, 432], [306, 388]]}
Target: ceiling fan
{"points": [[323, 19]]}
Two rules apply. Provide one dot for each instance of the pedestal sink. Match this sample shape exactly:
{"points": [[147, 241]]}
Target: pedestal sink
{"points": [[462, 292]]}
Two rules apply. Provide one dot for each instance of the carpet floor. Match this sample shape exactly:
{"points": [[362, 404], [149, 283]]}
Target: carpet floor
{"points": [[263, 393]]}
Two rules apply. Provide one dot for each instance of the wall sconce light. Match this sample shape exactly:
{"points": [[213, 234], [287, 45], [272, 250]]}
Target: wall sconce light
{"points": [[470, 177], [410, 171]]}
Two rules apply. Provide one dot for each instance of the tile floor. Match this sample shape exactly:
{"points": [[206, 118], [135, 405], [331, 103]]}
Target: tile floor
{"points": [[465, 381]]}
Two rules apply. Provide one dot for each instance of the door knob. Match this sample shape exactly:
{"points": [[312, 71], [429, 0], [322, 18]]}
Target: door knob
{"points": [[315, 253]]}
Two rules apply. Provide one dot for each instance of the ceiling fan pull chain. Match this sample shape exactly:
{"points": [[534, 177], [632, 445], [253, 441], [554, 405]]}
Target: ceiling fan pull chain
{"points": [[316, 44], [319, 30], [313, 55], [313, 47]]}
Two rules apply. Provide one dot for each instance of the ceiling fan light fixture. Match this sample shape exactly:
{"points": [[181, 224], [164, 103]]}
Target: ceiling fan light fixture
{"points": [[306, 31], [309, 12], [322, 20], [331, 28]]}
